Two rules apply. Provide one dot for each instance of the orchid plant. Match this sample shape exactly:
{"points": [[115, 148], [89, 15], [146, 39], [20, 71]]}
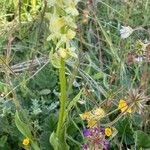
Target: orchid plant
{"points": [[62, 31]]}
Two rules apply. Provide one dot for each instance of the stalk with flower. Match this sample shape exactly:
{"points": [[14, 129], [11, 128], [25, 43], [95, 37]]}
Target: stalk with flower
{"points": [[62, 31]]}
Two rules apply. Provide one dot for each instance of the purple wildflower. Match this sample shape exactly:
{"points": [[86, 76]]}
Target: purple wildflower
{"points": [[98, 130], [86, 132], [102, 130], [84, 147], [106, 144], [95, 137]]}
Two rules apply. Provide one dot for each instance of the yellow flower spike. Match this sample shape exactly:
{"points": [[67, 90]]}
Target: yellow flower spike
{"points": [[91, 122], [124, 107], [108, 131], [85, 115], [70, 34], [26, 142], [62, 52]]}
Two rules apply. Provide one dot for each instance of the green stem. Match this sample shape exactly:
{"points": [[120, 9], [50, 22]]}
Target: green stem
{"points": [[63, 97]]}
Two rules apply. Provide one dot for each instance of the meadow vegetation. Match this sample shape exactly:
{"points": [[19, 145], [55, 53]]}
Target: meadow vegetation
{"points": [[74, 74]]}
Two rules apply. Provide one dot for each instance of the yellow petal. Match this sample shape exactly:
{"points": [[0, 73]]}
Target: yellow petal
{"points": [[91, 123], [129, 110], [85, 115], [123, 106], [108, 131], [98, 113], [60, 22], [62, 52]]}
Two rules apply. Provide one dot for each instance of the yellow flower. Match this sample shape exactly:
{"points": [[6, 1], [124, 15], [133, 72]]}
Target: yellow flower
{"points": [[108, 131], [70, 34], [93, 116], [98, 113], [62, 52], [85, 115], [91, 122], [59, 22], [26, 142], [123, 106], [56, 23]]}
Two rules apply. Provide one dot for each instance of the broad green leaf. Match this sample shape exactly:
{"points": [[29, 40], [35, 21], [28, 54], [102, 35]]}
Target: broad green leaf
{"points": [[54, 140], [62, 141], [58, 143], [125, 131], [22, 127], [142, 139], [45, 144]]}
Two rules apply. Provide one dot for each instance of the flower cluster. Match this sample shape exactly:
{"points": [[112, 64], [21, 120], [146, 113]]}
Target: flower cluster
{"points": [[135, 102], [62, 28], [96, 137], [93, 116], [123, 106]]}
